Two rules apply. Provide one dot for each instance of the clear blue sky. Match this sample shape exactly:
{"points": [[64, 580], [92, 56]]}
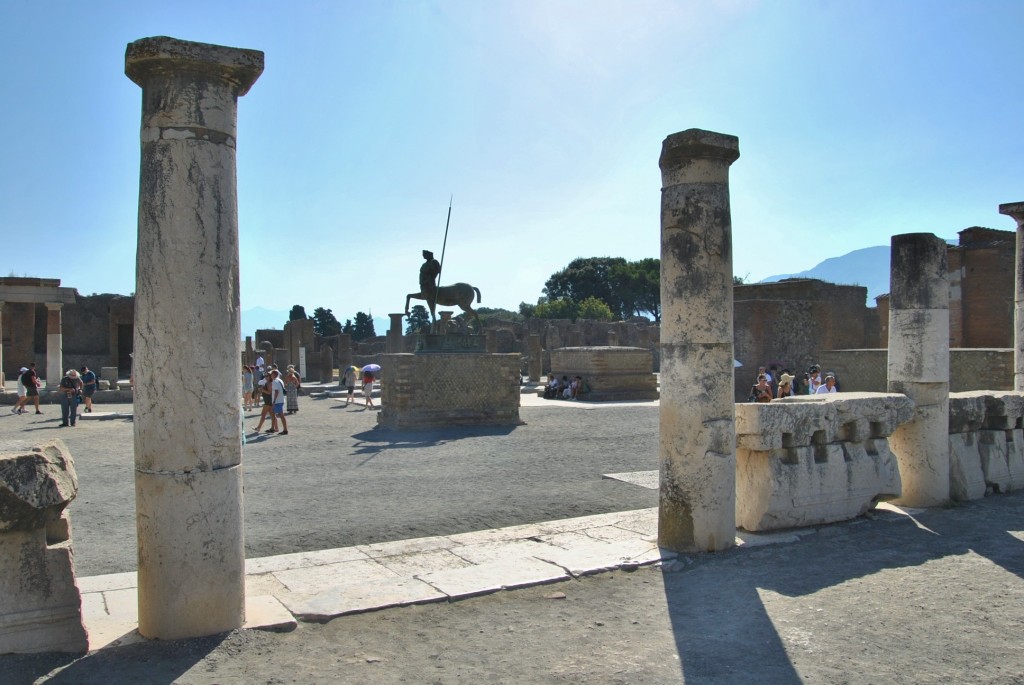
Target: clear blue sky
{"points": [[544, 119]]}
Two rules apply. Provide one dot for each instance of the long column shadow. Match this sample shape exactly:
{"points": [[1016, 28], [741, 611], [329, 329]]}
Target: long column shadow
{"points": [[722, 629]]}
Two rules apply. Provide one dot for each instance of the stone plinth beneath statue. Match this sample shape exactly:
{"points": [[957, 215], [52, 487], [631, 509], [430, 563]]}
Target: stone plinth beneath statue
{"points": [[611, 373], [446, 344], [453, 389]]}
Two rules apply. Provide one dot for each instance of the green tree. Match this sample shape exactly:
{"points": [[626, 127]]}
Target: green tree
{"points": [[363, 327], [527, 310], [297, 313], [557, 309], [348, 328], [595, 309], [638, 286], [325, 323], [418, 320], [498, 314], [586, 277]]}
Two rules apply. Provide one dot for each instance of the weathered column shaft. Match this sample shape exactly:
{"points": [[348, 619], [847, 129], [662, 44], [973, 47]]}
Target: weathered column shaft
{"points": [[188, 442], [54, 345], [696, 509], [344, 356], [918, 365], [1016, 211]]}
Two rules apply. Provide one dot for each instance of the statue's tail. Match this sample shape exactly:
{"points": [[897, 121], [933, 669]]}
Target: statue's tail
{"points": [[477, 294]]}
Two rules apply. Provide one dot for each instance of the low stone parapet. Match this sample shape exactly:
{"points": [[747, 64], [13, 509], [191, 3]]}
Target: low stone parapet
{"points": [[806, 461], [612, 374], [986, 443], [40, 606]]}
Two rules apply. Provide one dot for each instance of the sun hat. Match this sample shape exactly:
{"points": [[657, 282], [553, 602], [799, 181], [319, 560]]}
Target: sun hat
{"points": [[23, 369], [786, 378], [72, 373]]}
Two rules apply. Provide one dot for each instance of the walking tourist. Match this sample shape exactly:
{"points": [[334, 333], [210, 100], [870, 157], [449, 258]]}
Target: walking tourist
{"points": [[18, 407], [351, 374], [266, 392], [278, 394], [368, 388], [31, 382], [247, 387]]}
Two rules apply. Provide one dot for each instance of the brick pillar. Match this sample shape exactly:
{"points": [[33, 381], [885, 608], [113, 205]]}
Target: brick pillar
{"points": [[918, 365], [188, 461], [534, 358], [54, 345], [696, 506], [1016, 211], [394, 337], [344, 356]]}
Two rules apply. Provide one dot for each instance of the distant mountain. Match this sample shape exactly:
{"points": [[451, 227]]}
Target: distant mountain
{"points": [[868, 267]]}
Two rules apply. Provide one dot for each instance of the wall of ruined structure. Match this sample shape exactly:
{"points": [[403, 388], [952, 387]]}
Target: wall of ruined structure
{"points": [[969, 369], [983, 263]]}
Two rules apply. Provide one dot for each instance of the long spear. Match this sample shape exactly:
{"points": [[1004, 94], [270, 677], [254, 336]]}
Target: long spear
{"points": [[440, 267]]}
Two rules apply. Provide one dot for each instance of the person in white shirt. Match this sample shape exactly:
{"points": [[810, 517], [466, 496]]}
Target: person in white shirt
{"points": [[829, 386]]}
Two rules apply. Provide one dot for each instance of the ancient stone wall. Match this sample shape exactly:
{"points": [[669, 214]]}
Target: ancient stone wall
{"points": [[986, 443], [969, 369]]}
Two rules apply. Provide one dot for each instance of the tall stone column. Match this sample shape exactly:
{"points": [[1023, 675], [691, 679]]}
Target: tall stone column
{"points": [[534, 358], [344, 356], [918, 365], [188, 424], [696, 506], [1016, 211], [54, 345], [394, 337]]}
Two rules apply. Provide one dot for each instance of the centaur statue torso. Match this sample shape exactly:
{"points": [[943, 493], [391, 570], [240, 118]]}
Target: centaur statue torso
{"points": [[456, 295]]}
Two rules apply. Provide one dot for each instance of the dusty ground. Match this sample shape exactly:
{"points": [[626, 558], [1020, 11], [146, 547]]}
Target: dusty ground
{"points": [[336, 481], [938, 598]]}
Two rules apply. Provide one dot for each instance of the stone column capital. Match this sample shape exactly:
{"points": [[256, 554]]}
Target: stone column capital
{"points": [[54, 306], [1014, 210], [162, 57], [679, 149]]}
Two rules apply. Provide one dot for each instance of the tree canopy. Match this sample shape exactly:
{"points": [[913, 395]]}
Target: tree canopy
{"points": [[418, 320], [363, 327], [626, 288], [297, 313], [325, 323]]}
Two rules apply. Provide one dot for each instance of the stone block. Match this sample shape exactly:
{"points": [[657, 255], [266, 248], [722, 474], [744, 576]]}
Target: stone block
{"points": [[812, 485], [611, 373], [457, 389], [966, 479], [40, 606], [992, 448], [109, 374], [966, 411]]}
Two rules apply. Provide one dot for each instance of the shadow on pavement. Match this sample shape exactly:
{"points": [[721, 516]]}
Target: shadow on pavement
{"points": [[154, 661], [724, 633]]}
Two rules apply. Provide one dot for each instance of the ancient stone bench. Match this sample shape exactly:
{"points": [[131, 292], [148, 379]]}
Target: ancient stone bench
{"points": [[986, 443]]}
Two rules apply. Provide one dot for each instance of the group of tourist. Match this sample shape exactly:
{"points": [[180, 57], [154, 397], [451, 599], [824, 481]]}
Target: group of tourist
{"points": [[277, 391], [350, 376], [74, 387], [766, 388], [564, 388]]}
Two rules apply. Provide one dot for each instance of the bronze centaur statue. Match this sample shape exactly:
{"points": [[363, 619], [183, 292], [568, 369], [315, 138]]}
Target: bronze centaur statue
{"points": [[456, 295]]}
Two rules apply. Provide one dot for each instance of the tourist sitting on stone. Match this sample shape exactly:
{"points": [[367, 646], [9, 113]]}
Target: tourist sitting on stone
{"points": [[551, 389], [577, 387], [813, 379]]}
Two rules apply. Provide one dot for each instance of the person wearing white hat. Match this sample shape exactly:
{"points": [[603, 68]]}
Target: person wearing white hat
{"points": [[22, 394], [70, 390]]}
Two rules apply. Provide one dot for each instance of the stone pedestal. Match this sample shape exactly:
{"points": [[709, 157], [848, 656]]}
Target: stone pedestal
{"points": [[188, 423], [394, 335], [40, 606], [611, 373], [326, 364], [918, 365], [449, 389], [534, 358], [696, 510], [1016, 211]]}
